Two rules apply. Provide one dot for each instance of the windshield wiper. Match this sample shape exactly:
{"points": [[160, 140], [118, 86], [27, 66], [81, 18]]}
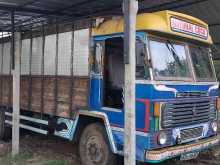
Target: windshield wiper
{"points": [[171, 48]]}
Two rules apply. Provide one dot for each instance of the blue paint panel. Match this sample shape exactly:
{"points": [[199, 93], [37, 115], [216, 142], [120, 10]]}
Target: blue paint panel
{"points": [[115, 118], [140, 119], [141, 144], [201, 88], [148, 91], [105, 37], [95, 99]]}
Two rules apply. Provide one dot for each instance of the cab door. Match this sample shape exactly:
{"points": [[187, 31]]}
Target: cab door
{"points": [[96, 75]]}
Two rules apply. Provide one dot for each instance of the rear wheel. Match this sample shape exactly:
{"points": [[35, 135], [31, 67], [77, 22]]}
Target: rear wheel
{"points": [[94, 147]]}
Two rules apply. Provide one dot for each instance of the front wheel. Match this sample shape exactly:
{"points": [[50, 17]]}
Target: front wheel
{"points": [[94, 147]]}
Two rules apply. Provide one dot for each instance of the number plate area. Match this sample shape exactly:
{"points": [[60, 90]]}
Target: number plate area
{"points": [[189, 156], [190, 134]]}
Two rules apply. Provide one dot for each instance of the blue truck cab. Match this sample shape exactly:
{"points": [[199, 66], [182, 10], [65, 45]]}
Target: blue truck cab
{"points": [[176, 87]]}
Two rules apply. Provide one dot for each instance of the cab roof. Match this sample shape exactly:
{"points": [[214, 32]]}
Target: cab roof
{"points": [[156, 22]]}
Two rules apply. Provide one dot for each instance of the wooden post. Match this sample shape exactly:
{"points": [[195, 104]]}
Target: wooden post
{"points": [[16, 94], [130, 8]]}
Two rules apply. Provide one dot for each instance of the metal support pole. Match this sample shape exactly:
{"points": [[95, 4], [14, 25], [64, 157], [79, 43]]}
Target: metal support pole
{"points": [[12, 39], [42, 71], [12, 60], [130, 8], [30, 73], [71, 72], [16, 95], [56, 70], [2, 53]]}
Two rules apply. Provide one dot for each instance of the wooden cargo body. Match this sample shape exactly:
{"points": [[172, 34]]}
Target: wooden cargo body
{"points": [[54, 80], [71, 94], [38, 94]]}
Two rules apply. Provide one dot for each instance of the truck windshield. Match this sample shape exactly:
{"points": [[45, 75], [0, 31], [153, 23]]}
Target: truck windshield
{"points": [[169, 60], [202, 63]]}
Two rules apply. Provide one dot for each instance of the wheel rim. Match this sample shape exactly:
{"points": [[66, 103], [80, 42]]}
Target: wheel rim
{"points": [[95, 152]]}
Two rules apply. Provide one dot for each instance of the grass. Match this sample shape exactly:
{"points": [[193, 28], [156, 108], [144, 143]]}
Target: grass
{"points": [[22, 159], [16, 160], [55, 162]]}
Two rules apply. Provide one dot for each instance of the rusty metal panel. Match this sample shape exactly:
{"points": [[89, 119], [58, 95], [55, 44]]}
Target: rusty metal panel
{"points": [[81, 53], [25, 57], [36, 56], [6, 58], [64, 54], [50, 55]]}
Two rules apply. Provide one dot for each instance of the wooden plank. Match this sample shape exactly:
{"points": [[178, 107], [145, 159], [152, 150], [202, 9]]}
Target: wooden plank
{"points": [[79, 99], [24, 92]]}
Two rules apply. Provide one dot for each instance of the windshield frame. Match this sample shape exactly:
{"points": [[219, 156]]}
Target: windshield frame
{"points": [[197, 79], [191, 77]]}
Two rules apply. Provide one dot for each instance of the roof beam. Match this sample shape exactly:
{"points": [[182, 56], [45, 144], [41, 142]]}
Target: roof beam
{"points": [[214, 24], [71, 17], [18, 23], [29, 10], [20, 6], [172, 5], [56, 12]]}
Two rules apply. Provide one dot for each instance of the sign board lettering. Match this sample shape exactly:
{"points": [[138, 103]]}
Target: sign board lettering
{"points": [[185, 27]]}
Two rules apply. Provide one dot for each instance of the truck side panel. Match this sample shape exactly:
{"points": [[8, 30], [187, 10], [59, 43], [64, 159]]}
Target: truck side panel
{"points": [[79, 99], [54, 73]]}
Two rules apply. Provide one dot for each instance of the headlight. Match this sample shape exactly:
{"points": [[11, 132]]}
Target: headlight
{"points": [[214, 126], [162, 138]]}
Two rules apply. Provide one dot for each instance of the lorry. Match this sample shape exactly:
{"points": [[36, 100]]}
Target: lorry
{"points": [[72, 86]]}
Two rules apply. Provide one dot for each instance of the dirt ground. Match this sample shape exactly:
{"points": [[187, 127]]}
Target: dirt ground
{"points": [[41, 150]]}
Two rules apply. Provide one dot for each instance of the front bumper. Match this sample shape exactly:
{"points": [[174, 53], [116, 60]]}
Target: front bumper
{"points": [[171, 152]]}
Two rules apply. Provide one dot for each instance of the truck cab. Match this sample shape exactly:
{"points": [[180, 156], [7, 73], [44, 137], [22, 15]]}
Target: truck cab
{"points": [[176, 86]]}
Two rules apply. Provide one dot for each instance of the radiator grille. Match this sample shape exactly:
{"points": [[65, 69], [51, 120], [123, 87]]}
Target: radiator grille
{"points": [[189, 134], [191, 94], [187, 112]]}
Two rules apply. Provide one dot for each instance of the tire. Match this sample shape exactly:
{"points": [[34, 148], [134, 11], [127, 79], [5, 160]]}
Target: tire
{"points": [[94, 147]]}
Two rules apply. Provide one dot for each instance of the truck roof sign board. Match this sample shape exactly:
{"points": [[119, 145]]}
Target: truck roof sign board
{"points": [[179, 25]]}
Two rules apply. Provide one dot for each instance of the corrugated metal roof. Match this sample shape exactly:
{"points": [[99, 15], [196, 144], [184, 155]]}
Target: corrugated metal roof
{"points": [[34, 12]]}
